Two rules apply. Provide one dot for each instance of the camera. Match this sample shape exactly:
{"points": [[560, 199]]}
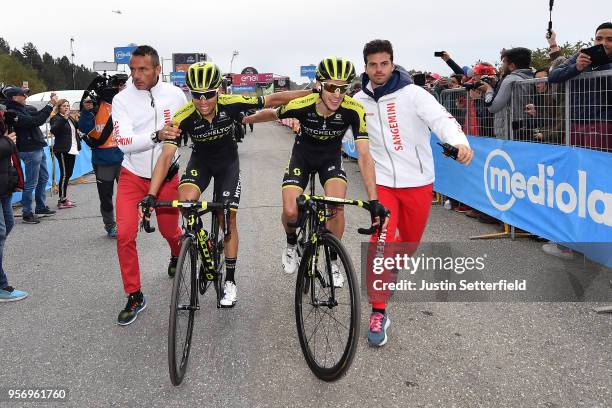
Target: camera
{"points": [[419, 79], [104, 88], [9, 120], [474, 85], [488, 79]]}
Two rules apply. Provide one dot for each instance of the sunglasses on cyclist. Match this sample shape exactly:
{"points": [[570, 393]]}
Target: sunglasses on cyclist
{"points": [[205, 95], [329, 87]]}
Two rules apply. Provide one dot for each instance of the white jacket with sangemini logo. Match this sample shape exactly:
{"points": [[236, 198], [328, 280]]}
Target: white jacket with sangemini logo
{"points": [[136, 116], [399, 117]]}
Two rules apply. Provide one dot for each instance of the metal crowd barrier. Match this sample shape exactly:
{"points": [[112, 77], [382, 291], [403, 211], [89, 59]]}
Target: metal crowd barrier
{"points": [[575, 113], [470, 111]]}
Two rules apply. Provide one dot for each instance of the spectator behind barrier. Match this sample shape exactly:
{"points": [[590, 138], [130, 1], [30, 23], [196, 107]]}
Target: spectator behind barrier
{"points": [[478, 120], [545, 122], [452, 64], [590, 106], [31, 144], [515, 66]]}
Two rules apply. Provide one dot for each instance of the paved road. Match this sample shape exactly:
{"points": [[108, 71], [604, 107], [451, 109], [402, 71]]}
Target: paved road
{"points": [[439, 354]]}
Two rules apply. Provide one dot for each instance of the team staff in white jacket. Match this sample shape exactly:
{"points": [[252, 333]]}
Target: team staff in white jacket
{"points": [[399, 116], [142, 115]]}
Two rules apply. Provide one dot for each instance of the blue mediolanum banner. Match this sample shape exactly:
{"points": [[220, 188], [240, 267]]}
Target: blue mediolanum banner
{"points": [[308, 71], [123, 54], [178, 78], [238, 89], [560, 193]]}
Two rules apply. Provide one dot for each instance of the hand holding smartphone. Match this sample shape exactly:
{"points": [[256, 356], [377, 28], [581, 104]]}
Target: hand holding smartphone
{"points": [[598, 55]]}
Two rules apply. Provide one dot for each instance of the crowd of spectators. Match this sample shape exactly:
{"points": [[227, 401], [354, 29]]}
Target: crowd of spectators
{"points": [[515, 101], [497, 101]]}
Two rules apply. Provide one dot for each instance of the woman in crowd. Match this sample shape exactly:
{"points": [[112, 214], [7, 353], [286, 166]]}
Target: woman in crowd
{"points": [[66, 148]]}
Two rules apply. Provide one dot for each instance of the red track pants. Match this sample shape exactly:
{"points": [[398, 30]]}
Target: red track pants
{"points": [[409, 211], [130, 191]]}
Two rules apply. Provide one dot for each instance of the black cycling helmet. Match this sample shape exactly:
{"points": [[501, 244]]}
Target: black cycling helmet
{"points": [[336, 68]]}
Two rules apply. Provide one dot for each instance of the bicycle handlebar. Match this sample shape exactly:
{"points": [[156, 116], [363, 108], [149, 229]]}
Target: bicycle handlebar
{"points": [[373, 229], [302, 200], [199, 205]]}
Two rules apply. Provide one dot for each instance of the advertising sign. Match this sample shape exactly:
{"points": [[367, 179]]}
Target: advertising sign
{"points": [[281, 84], [182, 61], [177, 78], [249, 70], [560, 193], [244, 89], [123, 54], [308, 71], [251, 79]]}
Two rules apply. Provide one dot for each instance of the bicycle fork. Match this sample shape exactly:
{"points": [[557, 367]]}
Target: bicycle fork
{"points": [[314, 273]]}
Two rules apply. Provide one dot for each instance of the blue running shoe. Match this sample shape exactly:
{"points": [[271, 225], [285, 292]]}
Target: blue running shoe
{"points": [[379, 323], [10, 294], [136, 303]]}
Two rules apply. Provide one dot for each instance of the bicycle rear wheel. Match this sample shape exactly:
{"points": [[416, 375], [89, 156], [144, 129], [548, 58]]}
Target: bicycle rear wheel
{"points": [[327, 316], [182, 310]]}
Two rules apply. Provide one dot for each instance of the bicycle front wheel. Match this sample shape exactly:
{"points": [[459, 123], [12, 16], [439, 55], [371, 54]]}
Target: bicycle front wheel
{"points": [[182, 310], [328, 315], [218, 254]]}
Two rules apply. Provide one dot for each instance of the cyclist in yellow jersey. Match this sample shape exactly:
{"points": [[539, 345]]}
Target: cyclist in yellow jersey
{"points": [[209, 121], [324, 116]]}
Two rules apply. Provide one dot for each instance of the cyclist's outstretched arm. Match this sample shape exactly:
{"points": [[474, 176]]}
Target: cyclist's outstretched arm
{"points": [[161, 167], [366, 166], [264, 115], [283, 98]]}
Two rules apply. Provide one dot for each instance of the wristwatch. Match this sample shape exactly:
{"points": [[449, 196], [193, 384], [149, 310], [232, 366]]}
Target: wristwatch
{"points": [[155, 137]]}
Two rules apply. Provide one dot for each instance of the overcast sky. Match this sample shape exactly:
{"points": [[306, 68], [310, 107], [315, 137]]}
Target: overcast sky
{"points": [[279, 36]]}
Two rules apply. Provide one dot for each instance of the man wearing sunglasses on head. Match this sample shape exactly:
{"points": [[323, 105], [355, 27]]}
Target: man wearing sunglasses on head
{"points": [[324, 116], [209, 121]]}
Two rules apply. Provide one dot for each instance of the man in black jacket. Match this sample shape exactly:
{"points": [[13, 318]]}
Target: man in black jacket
{"points": [[8, 184], [31, 144]]}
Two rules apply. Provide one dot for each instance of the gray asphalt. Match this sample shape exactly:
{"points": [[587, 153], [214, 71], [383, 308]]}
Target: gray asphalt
{"points": [[439, 354]]}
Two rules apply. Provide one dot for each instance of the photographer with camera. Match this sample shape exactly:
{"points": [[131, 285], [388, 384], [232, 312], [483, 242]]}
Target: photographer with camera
{"points": [[515, 67], [31, 144], [590, 110], [97, 124], [11, 180]]}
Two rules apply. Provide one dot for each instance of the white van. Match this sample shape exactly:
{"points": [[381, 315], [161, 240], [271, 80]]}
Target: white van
{"points": [[41, 99]]}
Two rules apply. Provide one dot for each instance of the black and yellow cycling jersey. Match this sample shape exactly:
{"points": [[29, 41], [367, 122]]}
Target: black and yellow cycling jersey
{"points": [[319, 130], [317, 146], [216, 136]]}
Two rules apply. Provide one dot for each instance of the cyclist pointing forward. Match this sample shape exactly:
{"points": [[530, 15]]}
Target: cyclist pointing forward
{"points": [[209, 120], [324, 119]]}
